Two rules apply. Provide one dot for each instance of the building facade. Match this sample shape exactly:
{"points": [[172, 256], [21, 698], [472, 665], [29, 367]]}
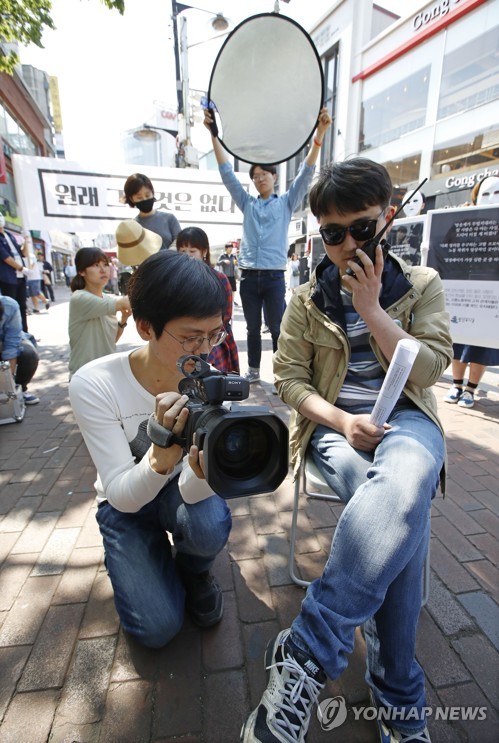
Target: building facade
{"points": [[25, 128], [421, 97], [28, 127]]}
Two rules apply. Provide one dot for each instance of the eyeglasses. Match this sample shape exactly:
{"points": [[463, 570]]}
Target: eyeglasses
{"points": [[261, 176], [192, 344], [334, 234]]}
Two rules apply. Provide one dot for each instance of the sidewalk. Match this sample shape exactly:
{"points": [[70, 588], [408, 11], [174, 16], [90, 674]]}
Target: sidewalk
{"points": [[67, 672]]}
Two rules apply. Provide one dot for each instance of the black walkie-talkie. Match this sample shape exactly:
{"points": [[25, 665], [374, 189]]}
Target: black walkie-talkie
{"points": [[370, 246]]}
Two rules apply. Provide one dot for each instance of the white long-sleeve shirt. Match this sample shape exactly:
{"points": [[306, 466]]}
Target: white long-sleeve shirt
{"points": [[109, 404]]}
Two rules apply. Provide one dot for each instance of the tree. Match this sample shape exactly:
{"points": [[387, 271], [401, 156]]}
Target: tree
{"points": [[25, 20]]}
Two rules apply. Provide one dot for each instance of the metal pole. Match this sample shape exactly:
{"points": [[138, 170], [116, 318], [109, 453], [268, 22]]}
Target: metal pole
{"points": [[180, 100], [184, 67]]}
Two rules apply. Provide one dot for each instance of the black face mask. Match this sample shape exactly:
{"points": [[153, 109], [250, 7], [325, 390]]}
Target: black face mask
{"points": [[145, 205]]}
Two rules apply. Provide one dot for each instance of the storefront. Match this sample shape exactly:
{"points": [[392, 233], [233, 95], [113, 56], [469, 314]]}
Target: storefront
{"points": [[422, 97], [61, 251]]}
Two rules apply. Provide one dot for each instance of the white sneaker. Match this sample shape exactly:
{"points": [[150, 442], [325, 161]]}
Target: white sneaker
{"points": [[467, 400], [295, 683], [453, 395]]}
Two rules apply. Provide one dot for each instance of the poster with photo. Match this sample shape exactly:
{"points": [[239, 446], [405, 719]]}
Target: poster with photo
{"points": [[405, 238], [464, 249]]}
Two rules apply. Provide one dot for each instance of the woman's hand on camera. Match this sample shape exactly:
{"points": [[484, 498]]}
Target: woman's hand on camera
{"points": [[172, 414], [196, 461]]}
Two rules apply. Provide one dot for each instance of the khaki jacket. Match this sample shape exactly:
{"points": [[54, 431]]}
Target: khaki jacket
{"points": [[313, 351]]}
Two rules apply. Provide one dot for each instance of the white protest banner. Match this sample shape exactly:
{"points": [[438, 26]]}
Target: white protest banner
{"points": [[464, 249], [64, 195]]}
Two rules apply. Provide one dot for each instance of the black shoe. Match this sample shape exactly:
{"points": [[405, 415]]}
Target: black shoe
{"points": [[204, 598]]}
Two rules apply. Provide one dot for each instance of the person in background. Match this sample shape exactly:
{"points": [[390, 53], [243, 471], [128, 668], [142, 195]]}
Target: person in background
{"points": [[93, 326], [139, 194], [477, 358], [35, 273], [47, 279], [13, 270], [416, 205], [113, 276], [17, 347], [152, 497], [69, 272], [194, 242], [264, 245], [339, 334], [228, 264], [293, 272]]}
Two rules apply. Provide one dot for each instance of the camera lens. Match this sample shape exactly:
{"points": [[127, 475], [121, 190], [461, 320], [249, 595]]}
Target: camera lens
{"points": [[241, 449]]}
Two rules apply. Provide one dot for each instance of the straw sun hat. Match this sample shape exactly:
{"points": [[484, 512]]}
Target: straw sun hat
{"points": [[135, 243]]}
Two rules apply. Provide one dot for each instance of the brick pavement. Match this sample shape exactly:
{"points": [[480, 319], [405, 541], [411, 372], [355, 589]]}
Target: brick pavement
{"points": [[69, 674]]}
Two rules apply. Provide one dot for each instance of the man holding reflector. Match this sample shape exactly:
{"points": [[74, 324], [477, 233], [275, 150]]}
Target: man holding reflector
{"points": [[264, 244]]}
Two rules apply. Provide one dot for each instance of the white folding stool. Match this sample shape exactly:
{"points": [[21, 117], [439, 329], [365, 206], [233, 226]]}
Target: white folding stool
{"points": [[315, 486]]}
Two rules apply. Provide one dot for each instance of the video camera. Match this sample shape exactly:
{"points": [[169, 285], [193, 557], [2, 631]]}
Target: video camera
{"points": [[245, 448]]}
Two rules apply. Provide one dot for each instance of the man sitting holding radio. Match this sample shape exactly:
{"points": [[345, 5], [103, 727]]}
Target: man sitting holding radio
{"points": [[337, 338]]}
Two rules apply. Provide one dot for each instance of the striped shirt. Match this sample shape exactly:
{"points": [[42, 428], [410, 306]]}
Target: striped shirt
{"points": [[365, 374]]}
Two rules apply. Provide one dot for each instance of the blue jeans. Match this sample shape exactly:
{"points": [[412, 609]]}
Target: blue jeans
{"points": [[148, 592], [262, 289], [373, 575]]}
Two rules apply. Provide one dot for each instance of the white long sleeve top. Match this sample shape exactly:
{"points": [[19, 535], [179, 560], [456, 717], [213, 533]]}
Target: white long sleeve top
{"points": [[109, 404]]}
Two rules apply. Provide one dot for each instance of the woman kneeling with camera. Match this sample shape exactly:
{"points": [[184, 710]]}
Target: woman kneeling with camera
{"points": [[145, 490]]}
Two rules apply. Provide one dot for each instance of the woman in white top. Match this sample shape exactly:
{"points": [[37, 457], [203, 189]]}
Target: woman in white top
{"points": [[93, 326], [293, 272], [148, 490]]}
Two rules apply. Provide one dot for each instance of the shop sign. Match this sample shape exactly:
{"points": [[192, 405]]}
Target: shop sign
{"points": [[468, 181], [436, 11]]}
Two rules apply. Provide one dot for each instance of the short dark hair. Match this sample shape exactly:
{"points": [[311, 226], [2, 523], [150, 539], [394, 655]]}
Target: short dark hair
{"points": [[197, 238], [84, 258], [350, 186], [168, 285], [133, 184], [268, 168]]}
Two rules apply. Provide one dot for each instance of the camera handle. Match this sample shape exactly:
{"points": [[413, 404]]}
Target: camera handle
{"points": [[162, 436], [201, 367]]}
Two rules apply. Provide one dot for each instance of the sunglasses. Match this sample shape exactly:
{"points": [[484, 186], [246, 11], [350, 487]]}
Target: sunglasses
{"points": [[334, 234]]}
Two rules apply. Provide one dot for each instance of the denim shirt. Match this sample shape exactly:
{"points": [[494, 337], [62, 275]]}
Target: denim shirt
{"points": [[10, 329], [264, 244]]}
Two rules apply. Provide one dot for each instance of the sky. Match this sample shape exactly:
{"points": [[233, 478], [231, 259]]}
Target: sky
{"points": [[115, 71]]}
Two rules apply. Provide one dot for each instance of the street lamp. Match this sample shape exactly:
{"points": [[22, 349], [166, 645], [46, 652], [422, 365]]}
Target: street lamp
{"points": [[148, 135], [219, 23], [148, 131]]}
